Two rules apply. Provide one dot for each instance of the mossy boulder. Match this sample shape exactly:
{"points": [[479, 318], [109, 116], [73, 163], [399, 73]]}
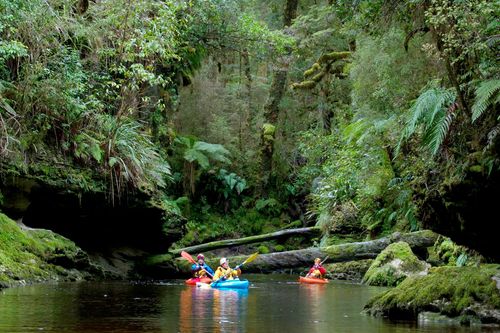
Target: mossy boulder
{"points": [[470, 293], [34, 255], [445, 252], [393, 265]]}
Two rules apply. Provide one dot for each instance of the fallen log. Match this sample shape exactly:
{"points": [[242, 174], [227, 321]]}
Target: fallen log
{"points": [[336, 253], [311, 231]]}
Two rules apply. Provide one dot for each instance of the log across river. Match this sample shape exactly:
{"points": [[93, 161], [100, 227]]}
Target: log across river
{"points": [[418, 241]]}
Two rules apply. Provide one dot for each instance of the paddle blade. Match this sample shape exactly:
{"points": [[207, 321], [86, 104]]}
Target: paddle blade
{"points": [[251, 258], [188, 257]]}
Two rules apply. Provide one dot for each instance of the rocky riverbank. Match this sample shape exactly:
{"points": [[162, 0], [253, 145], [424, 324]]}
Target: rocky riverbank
{"points": [[469, 294], [36, 255]]}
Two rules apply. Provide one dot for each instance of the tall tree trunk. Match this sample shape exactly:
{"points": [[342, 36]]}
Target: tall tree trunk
{"points": [[324, 107], [271, 109], [246, 96]]}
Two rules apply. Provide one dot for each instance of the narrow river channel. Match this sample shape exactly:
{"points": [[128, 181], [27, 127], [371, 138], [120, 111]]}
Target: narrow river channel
{"points": [[274, 303]]}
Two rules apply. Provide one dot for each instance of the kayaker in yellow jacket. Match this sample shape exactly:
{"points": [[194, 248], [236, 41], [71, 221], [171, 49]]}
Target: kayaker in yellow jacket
{"points": [[225, 272]]}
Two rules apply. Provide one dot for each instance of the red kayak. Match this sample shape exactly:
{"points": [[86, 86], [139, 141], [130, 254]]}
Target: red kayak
{"points": [[192, 281], [312, 280]]}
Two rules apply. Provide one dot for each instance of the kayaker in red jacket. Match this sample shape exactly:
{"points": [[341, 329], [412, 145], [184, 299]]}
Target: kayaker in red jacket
{"points": [[317, 271]]}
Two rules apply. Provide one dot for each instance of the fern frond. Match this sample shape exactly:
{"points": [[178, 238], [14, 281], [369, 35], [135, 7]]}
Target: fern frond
{"points": [[487, 94], [430, 112], [436, 134]]}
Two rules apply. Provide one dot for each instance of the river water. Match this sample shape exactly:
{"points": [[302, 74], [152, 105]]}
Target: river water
{"points": [[274, 303]]}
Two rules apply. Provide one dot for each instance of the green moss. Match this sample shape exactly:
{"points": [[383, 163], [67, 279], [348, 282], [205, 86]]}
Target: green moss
{"points": [[307, 84], [312, 69], [451, 289], [383, 272], [279, 248], [268, 129], [334, 56], [29, 255], [318, 77], [446, 252], [263, 249]]}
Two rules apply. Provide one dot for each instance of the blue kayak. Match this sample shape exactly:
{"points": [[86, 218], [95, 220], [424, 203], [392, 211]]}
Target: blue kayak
{"points": [[230, 284]]}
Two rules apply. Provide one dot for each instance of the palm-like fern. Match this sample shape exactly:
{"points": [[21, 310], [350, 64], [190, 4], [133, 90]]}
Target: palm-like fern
{"points": [[487, 94], [434, 112], [199, 153], [130, 156]]}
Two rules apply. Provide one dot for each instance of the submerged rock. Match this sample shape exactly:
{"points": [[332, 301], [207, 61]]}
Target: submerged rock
{"points": [[393, 265], [467, 293]]}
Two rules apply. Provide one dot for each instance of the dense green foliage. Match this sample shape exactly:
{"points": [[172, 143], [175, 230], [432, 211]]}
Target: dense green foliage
{"points": [[385, 104]]}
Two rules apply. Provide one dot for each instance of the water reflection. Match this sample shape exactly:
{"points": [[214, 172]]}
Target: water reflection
{"points": [[212, 310], [313, 296], [269, 306]]}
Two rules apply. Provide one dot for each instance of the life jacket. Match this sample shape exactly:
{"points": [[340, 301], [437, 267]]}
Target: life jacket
{"points": [[317, 271], [201, 271], [231, 273]]}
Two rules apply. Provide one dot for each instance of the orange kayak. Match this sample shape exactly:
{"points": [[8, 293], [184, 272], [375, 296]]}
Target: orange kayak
{"points": [[312, 280], [192, 281]]}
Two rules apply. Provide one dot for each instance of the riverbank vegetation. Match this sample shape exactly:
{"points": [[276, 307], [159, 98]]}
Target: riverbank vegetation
{"points": [[206, 120], [352, 115]]}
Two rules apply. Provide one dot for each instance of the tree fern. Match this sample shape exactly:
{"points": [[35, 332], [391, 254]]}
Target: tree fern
{"points": [[487, 94], [431, 113], [202, 152], [199, 153]]}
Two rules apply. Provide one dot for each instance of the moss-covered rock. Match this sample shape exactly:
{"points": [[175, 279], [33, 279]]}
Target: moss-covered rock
{"points": [[445, 252], [393, 265], [34, 255], [350, 270], [469, 292]]}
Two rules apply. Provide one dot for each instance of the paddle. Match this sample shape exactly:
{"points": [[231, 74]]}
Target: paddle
{"points": [[188, 257], [249, 259]]}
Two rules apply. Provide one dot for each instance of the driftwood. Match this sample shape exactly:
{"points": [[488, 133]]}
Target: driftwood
{"points": [[311, 231], [336, 253]]}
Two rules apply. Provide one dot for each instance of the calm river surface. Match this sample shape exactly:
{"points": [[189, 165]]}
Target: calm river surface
{"points": [[274, 303]]}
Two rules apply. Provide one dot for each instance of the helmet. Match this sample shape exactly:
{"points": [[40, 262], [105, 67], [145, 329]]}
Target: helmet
{"points": [[200, 256], [222, 261], [317, 260]]}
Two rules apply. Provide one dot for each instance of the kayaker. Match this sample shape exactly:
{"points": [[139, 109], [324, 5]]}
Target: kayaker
{"points": [[225, 272], [317, 271], [201, 268]]}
